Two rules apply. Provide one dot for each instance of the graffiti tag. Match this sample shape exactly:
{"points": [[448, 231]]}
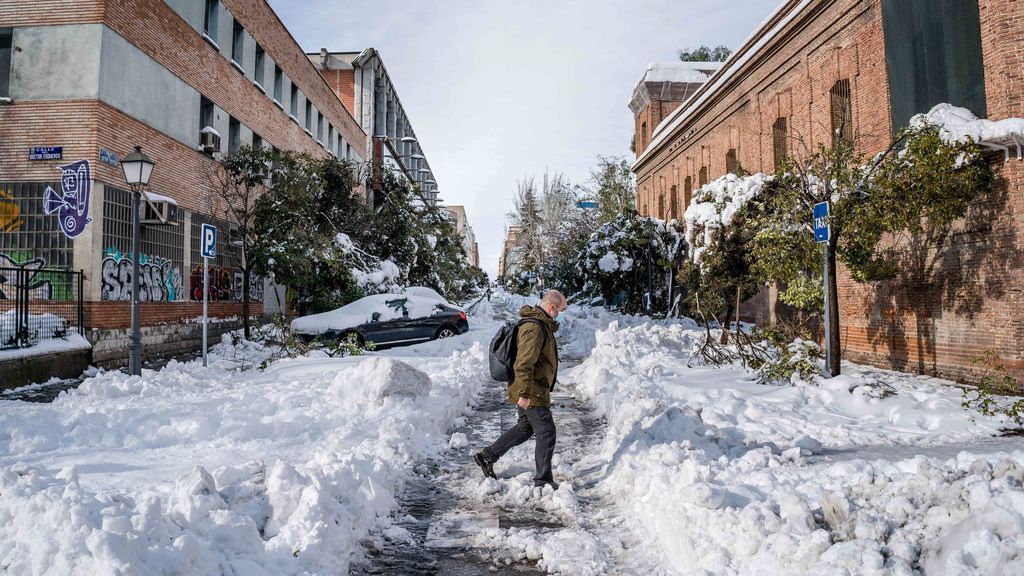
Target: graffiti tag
{"points": [[159, 279], [225, 284], [39, 287]]}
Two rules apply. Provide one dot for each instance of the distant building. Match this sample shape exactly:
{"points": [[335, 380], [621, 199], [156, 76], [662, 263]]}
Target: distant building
{"points": [[466, 233], [188, 80], [817, 70], [511, 258], [362, 83]]}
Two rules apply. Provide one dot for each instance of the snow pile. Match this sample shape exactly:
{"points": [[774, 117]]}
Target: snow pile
{"points": [[384, 378], [728, 476], [40, 326], [194, 470], [714, 206], [957, 125]]}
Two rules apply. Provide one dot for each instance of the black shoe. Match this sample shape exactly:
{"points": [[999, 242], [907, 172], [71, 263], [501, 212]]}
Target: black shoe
{"points": [[543, 483], [485, 464]]}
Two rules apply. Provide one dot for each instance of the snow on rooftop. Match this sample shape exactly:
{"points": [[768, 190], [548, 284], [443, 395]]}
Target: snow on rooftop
{"points": [[688, 72]]}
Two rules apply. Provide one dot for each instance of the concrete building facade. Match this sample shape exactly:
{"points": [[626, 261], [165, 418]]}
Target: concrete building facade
{"points": [[93, 78], [362, 83], [871, 63], [465, 231]]}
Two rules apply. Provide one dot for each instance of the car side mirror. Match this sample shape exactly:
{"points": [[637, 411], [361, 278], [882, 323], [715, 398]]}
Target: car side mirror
{"points": [[375, 317]]}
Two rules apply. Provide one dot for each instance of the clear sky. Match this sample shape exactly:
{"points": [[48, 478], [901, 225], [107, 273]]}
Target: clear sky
{"points": [[499, 90]]}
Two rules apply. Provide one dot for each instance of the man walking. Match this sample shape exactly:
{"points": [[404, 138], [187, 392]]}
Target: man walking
{"points": [[536, 369]]}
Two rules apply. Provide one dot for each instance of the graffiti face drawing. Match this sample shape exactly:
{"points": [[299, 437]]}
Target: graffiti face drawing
{"points": [[72, 203]]}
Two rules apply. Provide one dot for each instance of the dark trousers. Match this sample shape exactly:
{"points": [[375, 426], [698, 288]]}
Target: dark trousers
{"points": [[531, 421]]}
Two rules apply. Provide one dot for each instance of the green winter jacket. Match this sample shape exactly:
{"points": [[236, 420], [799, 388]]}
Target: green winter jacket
{"points": [[536, 364]]}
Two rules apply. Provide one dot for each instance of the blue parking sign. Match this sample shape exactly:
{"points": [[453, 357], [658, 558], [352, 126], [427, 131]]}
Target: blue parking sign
{"points": [[821, 227], [208, 241]]}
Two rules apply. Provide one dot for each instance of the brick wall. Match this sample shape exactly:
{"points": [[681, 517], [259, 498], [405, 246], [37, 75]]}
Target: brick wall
{"points": [[16, 13], [343, 83], [947, 306]]}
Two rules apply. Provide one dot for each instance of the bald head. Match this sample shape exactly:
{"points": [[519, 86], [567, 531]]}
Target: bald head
{"points": [[553, 302]]}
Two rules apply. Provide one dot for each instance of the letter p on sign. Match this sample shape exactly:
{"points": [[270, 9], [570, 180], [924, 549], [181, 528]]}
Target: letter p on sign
{"points": [[209, 241]]}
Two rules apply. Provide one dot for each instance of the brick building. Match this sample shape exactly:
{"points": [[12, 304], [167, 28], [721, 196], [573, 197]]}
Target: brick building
{"points": [[864, 67], [94, 78]]}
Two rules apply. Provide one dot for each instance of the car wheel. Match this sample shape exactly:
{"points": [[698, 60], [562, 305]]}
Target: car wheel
{"points": [[360, 341], [445, 332]]}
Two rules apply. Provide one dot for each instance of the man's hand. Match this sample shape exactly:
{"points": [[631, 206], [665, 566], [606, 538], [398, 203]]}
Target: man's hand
{"points": [[523, 403]]}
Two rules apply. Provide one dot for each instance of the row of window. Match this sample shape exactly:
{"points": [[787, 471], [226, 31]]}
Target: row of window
{"points": [[337, 146]]}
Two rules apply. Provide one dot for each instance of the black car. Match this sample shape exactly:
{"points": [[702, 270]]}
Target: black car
{"points": [[386, 320]]}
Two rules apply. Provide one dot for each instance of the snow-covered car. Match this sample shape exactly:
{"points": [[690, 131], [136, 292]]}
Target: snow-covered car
{"points": [[386, 320]]}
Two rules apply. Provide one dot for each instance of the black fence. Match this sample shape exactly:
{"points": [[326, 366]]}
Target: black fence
{"points": [[39, 304]]}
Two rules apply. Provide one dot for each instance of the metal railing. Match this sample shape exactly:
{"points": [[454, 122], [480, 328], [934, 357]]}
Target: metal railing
{"points": [[39, 304]]}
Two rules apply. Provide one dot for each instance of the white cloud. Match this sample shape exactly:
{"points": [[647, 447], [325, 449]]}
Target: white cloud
{"points": [[499, 90]]}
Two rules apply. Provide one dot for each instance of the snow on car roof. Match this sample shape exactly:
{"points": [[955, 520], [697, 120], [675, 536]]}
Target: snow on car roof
{"points": [[361, 311], [425, 292]]}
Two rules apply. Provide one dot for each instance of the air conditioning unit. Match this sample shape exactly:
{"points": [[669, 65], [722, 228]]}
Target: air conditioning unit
{"points": [[158, 210], [209, 140]]}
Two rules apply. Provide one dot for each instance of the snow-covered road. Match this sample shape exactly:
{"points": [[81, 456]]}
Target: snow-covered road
{"points": [[362, 465]]}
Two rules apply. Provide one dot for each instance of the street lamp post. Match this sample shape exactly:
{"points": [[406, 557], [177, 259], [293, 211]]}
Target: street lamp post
{"points": [[137, 169]]}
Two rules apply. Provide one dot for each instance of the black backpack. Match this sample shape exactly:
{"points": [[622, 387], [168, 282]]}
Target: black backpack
{"points": [[502, 353]]}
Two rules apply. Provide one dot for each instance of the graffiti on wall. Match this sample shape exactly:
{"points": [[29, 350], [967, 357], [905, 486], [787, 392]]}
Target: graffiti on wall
{"points": [[159, 278], [10, 213], [225, 284], [72, 203], [39, 286]]}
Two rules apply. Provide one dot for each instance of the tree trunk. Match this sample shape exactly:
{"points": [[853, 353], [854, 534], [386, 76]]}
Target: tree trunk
{"points": [[737, 313], [833, 311], [725, 326], [245, 296]]}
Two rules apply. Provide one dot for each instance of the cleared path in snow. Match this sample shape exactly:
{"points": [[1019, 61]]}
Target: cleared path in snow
{"points": [[452, 520]]}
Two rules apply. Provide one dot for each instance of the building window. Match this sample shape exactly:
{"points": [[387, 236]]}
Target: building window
{"points": [[687, 191], [278, 83], [842, 113], [674, 202], [210, 19], [661, 206], [732, 166], [330, 137], [5, 63], [319, 126], [234, 136], [294, 108], [205, 112], [780, 135], [933, 55], [702, 176], [237, 41], [643, 136], [257, 142], [309, 115], [257, 72], [348, 151]]}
